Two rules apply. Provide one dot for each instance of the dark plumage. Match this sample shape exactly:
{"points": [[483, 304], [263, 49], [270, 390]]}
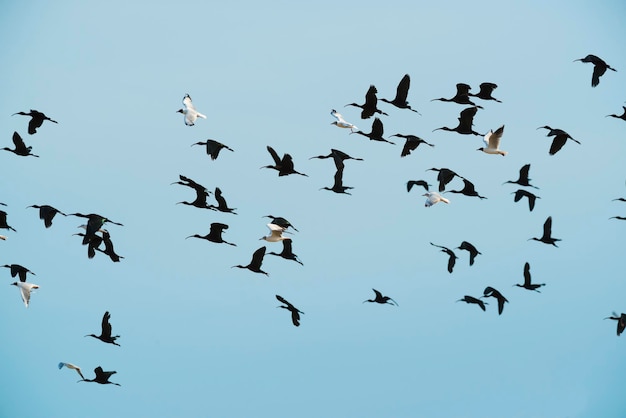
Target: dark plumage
{"points": [[287, 252], [560, 137], [370, 106], [486, 89], [520, 193], [215, 234], [102, 377], [105, 335], [467, 190], [402, 91], [473, 252], [338, 186], [461, 96], [411, 143], [47, 213], [411, 183], [108, 246], [284, 165], [471, 299], [491, 292], [523, 179], [280, 221], [3, 221], [222, 206], [295, 312], [36, 120], [622, 116], [18, 270], [444, 176], [546, 238], [377, 132], [256, 262], [20, 148], [621, 322], [213, 147], [466, 122], [338, 157], [527, 283], [451, 256], [599, 68], [379, 298]]}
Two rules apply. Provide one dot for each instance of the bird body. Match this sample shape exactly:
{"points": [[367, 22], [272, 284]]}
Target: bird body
{"points": [[527, 280], [284, 165], [3, 221], [280, 221], [491, 292], [18, 270], [461, 96], [20, 147], [411, 183], [36, 120], [466, 122], [402, 91], [560, 137], [622, 116], [221, 203], [546, 238], [295, 312], [473, 252], [47, 213], [341, 122], [444, 176], [621, 322], [379, 298], [411, 143], [599, 68], [492, 142], [213, 147], [433, 198], [215, 234], [276, 233], [102, 377], [370, 106], [376, 133], [25, 289], [338, 157], [467, 190], [338, 186], [189, 111], [486, 89], [523, 179], [106, 335], [256, 262], [287, 252]]}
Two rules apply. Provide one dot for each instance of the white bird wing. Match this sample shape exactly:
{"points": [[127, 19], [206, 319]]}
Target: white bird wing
{"points": [[487, 138], [188, 103], [338, 116], [25, 289], [493, 138]]}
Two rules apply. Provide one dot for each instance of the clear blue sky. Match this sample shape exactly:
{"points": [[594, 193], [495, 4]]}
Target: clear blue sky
{"points": [[199, 338]]}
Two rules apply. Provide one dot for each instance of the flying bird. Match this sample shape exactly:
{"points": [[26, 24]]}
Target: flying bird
{"points": [[621, 322], [73, 367], [473, 252], [411, 143], [256, 262], [287, 252], [20, 147], [36, 120], [3, 221], [338, 186], [295, 312], [276, 233], [25, 289], [466, 121], [280, 221], [377, 132], [622, 116], [379, 298], [486, 89], [369, 107], [523, 179], [444, 176], [338, 157], [491, 292], [201, 192], [451, 256], [47, 213], [108, 246], [18, 270], [461, 96], [215, 234], [402, 91], [411, 183], [599, 68], [189, 111], [94, 223], [520, 193], [467, 190], [470, 299], [527, 283], [341, 122], [546, 238], [213, 147], [434, 198], [492, 142], [222, 206], [284, 165], [105, 335], [102, 377], [560, 137]]}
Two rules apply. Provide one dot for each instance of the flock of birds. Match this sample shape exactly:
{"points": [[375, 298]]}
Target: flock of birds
{"points": [[98, 240]]}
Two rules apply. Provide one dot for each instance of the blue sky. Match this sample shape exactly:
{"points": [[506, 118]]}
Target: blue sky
{"points": [[199, 338]]}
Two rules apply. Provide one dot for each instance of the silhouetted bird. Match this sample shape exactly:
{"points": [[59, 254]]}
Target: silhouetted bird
{"points": [[492, 141], [471, 299], [338, 186], [280, 221], [467, 190], [433, 198], [102, 377], [622, 116], [25, 289], [444, 176], [3, 221], [369, 107], [527, 284], [621, 322], [599, 68], [530, 196], [94, 223], [411, 144], [108, 246], [222, 206], [377, 132], [411, 183], [338, 157], [73, 367], [18, 270], [452, 257], [461, 96], [189, 111], [473, 252], [287, 252], [560, 137], [295, 312], [523, 179], [402, 91], [201, 192], [93, 243], [36, 119], [491, 292], [20, 148], [215, 234], [341, 122], [486, 89], [256, 262], [621, 218], [466, 121], [284, 165], [46, 213], [546, 238], [105, 335], [213, 147], [379, 298]]}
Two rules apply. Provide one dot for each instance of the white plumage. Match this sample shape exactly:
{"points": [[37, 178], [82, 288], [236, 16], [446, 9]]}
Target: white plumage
{"points": [[433, 198], [190, 112], [25, 289], [276, 233], [341, 122], [492, 142]]}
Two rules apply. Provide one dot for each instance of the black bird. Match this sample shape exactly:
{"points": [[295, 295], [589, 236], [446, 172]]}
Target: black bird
{"points": [[284, 166], [546, 238], [466, 121], [201, 192], [20, 148], [452, 257], [621, 218], [402, 91], [94, 223], [287, 252], [370, 106], [94, 244], [599, 68], [379, 298], [295, 312], [47, 213], [215, 234], [338, 186], [411, 183], [338, 157], [560, 137], [280, 221], [467, 190], [213, 147], [527, 284], [461, 96], [102, 377], [621, 322], [444, 176], [485, 92], [471, 299], [16, 270], [36, 120], [108, 246], [530, 196], [377, 132], [471, 249], [105, 336], [3, 221], [222, 206], [622, 116], [411, 143], [255, 263], [490, 291], [523, 179]]}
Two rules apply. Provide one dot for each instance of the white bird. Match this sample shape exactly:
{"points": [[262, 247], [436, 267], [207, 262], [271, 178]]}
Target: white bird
{"points": [[73, 367], [341, 122], [276, 233], [2, 237], [492, 142], [434, 197], [190, 112], [25, 289]]}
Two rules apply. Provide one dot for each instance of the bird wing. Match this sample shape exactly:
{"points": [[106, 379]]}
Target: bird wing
{"points": [[274, 155], [378, 294], [494, 139], [188, 103], [377, 128], [257, 257], [217, 228], [451, 260], [462, 89], [526, 274], [409, 145], [338, 116], [557, 143], [18, 142], [523, 173], [547, 227], [106, 326], [402, 91], [25, 289], [283, 300]]}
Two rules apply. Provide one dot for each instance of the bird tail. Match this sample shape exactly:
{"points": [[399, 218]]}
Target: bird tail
{"points": [[444, 200]]}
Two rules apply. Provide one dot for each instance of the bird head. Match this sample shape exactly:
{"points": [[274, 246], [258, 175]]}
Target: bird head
{"points": [[13, 284], [180, 111]]}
